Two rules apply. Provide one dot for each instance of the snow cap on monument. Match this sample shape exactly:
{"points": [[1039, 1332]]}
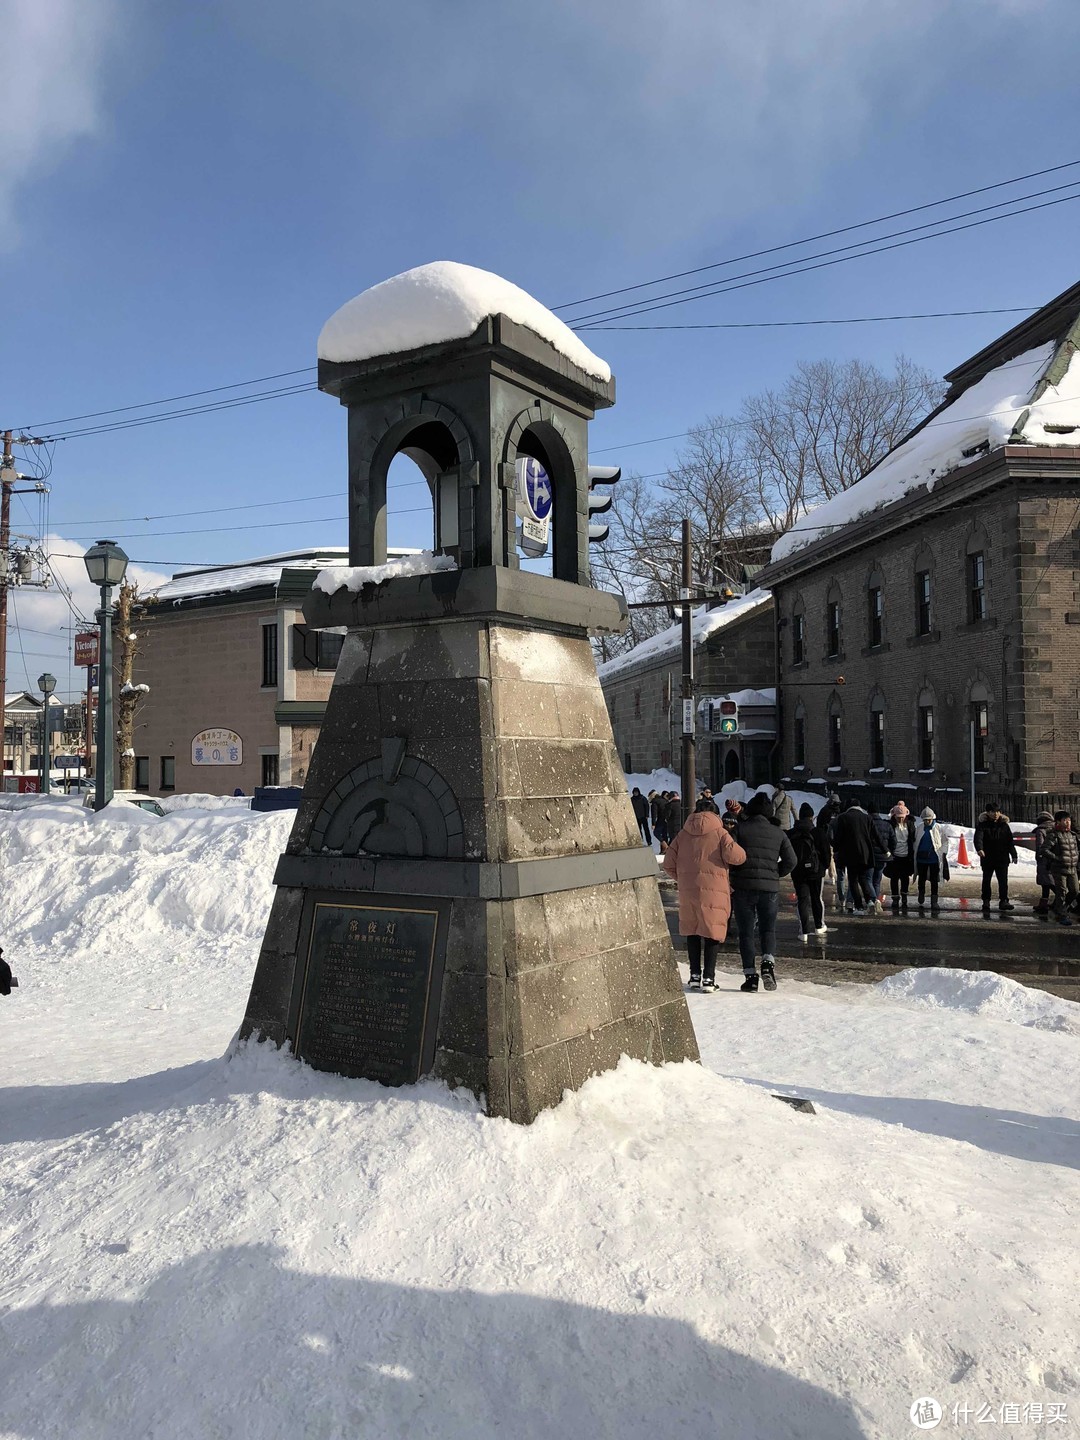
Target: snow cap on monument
{"points": [[442, 301]]}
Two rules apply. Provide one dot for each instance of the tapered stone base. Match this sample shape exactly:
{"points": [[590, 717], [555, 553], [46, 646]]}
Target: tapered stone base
{"points": [[469, 764]]}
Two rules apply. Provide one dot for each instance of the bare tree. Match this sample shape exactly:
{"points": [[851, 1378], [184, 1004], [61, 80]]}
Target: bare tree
{"points": [[824, 429], [130, 695]]}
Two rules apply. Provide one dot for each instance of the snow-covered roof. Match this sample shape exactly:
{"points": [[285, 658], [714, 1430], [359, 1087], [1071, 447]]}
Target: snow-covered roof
{"points": [[438, 302], [246, 575], [748, 699], [704, 624], [1010, 404], [336, 578]]}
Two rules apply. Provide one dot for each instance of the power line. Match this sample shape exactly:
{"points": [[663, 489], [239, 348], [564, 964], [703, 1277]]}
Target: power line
{"points": [[824, 235], [583, 323], [238, 401], [852, 320]]}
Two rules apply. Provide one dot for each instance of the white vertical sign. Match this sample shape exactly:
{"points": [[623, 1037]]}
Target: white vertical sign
{"points": [[688, 717]]}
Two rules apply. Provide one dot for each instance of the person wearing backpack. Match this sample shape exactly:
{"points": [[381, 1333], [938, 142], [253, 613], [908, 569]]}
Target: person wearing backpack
{"points": [[811, 848]]}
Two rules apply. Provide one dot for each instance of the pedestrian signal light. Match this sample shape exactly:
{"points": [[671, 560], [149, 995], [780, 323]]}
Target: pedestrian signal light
{"points": [[729, 717]]}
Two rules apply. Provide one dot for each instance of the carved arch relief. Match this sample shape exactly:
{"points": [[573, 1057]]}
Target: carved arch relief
{"points": [[391, 805]]}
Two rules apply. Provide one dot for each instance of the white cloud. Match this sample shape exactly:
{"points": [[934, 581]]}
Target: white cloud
{"points": [[54, 59]]}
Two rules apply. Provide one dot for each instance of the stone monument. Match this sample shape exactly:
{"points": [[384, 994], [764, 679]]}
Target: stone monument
{"points": [[464, 892]]}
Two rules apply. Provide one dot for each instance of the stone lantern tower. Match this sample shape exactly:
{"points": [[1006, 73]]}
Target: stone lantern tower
{"points": [[464, 891]]}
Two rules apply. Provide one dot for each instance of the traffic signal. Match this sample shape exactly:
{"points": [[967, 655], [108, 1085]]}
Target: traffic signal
{"points": [[729, 717], [601, 504]]}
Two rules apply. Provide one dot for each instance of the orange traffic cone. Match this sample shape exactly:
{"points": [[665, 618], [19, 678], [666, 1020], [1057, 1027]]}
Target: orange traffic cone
{"points": [[962, 856]]}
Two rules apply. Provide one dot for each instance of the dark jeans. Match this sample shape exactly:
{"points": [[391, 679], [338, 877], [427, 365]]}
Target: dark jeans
{"points": [[933, 874], [1065, 889], [861, 887], [694, 944], [811, 909], [760, 906], [660, 831], [879, 871], [838, 893], [643, 826], [899, 884], [1000, 871]]}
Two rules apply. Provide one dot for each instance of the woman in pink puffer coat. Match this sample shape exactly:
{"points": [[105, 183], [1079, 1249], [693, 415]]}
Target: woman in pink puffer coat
{"points": [[699, 858]]}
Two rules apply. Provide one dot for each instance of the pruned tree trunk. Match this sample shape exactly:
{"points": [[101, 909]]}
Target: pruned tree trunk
{"points": [[129, 694]]}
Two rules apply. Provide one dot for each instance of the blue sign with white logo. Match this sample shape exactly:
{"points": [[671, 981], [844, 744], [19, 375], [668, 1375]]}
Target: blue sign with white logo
{"points": [[534, 487]]}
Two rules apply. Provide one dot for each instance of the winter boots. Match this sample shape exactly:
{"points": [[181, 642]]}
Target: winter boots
{"points": [[750, 981]]}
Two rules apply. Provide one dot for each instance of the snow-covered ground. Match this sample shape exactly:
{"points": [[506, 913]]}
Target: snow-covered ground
{"points": [[192, 1246]]}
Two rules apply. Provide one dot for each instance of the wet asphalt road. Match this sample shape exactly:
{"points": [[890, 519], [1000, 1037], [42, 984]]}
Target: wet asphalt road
{"points": [[862, 950]]}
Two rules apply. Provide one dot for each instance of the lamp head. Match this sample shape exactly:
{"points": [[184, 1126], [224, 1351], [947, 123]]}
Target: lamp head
{"points": [[46, 684], [106, 563]]}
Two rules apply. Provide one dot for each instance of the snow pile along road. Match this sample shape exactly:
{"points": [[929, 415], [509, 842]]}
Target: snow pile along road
{"points": [[978, 992], [249, 1248]]}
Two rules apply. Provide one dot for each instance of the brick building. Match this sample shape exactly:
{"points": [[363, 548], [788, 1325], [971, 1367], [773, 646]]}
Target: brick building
{"points": [[944, 588], [734, 649], [238, 684]]}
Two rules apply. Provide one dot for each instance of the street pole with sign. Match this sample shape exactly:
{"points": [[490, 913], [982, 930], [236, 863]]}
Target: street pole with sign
{"points": [[86, 657], [689, 777], [106, 565]]}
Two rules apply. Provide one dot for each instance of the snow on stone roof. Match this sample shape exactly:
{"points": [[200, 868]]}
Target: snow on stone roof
{"points": [[704, 624], [1001, 408], [438, 302], [247, 575]]}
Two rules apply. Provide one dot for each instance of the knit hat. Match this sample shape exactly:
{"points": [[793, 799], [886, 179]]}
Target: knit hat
{"points": [[928, 814], [1044, 815], [899, 811], [733, 806], [806, 811]]}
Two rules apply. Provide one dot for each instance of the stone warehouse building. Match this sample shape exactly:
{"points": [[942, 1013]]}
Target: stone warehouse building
{"points": [[734, 650], [238, 684], [944, 590]]}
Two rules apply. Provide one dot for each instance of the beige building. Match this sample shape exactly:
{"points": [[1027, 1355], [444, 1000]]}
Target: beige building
{"points": [[238, 684]]}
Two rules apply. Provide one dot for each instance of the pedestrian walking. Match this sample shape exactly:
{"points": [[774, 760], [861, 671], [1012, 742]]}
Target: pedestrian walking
{"points": [[1044, 824], [783, 809], [641, 813], [881, 843], [1062, 856], [811, 849], [754, 889], [901, 863], [996, 850], [826, 818], [658, 811], [699, 859], [708, 795], [930, 858], [673, 814], [853, 848]]}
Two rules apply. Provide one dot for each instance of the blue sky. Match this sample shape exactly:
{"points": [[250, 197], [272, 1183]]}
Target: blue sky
{"points": [[187, 192]]}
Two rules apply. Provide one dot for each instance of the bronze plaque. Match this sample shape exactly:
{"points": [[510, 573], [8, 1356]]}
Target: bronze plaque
{"points": [[369, 1002]]}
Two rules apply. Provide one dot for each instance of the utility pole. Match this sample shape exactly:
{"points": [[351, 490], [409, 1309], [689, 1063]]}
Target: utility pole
{"points": [[689, 778], [7, 481]]}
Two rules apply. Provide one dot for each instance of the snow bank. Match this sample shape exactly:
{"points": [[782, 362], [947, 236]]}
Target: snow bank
{"points": [[983, 417], [705, 623], [978, 992], [355, 577], [195, 800], [437, 302]]}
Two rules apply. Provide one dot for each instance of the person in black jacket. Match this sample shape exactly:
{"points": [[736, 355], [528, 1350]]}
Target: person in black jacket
{"points": [[826, 821], [754, 888], [853, 847], [6, 977], [996, 849], [811, 847], [641, 813]]}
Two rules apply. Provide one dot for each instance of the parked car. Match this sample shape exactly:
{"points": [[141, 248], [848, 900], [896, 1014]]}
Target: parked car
{"points": [[132, 797]]}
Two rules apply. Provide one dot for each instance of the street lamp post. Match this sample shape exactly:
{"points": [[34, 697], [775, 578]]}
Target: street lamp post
{"points": [[46, 684], [106, 565]]}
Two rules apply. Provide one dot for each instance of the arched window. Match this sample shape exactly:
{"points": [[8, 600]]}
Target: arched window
{"points": [[877, 731], [979, 724], [833, 623], [924, 720], [798, 738], [836, 733], [978, 602], [798, 632], [924, 592], [875, 609]]}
